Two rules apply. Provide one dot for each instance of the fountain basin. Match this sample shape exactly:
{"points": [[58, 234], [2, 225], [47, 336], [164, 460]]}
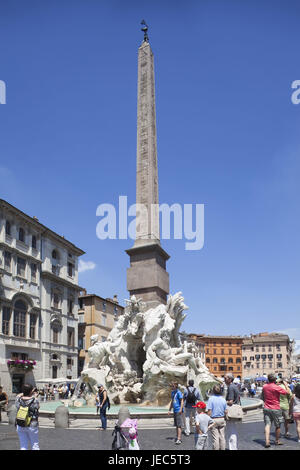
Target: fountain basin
{"points": [[47, 409]]}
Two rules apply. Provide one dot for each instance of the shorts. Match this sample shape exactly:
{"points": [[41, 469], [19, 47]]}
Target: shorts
{"points": [[178, 420], [285, 414], [296, 416], [271, 416]]}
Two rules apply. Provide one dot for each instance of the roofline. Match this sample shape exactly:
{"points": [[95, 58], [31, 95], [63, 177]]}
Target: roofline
{"points": [[101, 298], [43, 227]]}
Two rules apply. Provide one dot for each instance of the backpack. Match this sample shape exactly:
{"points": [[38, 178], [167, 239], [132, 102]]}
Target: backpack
{"points": [[24, 414], [191, 399], [108, 402]]}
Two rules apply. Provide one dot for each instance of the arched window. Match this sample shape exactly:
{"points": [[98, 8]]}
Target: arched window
{"points": [[215, 360], [207, 360], [20, 310], [54, 254], [230, 360], [21, 234], [7, 228], [238, 360]]}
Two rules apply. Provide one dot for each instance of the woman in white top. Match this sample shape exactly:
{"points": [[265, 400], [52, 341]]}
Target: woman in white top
{"points": [[295, 408]]}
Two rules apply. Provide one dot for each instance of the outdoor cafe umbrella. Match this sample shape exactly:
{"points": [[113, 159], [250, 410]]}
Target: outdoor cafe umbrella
{"points": [[261, 379]]}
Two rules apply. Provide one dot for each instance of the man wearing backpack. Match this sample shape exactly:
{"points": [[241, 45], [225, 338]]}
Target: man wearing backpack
{"points": [[191, 396], [27, 418]]}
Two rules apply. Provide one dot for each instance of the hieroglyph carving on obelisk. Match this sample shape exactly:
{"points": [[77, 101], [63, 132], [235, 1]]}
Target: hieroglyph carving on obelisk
{"points": [[147, 216]]}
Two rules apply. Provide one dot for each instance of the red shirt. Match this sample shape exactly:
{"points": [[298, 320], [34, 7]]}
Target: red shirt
{"points": [[271, 394]]}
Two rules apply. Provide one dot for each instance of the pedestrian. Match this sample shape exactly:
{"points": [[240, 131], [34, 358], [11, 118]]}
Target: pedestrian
{"points": [[177, 403], [252, 390], [232, 398], [203, 424], [295, 408], [27, 418], [3, 401], [284, 401], [104, 405], [272, 413], [191, 395], [217, 410]]}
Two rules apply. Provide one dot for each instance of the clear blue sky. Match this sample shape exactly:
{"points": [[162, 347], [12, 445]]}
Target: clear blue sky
{"points": [[228, 137]]}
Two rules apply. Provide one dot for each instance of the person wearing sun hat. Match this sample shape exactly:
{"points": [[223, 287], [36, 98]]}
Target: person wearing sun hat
{"points": [[203, 423]]}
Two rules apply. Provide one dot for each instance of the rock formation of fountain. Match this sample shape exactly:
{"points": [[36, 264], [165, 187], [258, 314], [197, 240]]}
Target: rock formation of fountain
{"points": [[143, 354]]}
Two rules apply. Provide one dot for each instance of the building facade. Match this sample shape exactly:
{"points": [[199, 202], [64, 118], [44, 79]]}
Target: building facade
{"points": [[38, 301], [264, 353], [223, 354], [97, 316]]}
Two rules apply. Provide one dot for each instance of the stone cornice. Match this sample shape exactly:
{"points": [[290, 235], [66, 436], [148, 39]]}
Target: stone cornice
{"points": [[53, 277], [20, 252], [40, 227]]}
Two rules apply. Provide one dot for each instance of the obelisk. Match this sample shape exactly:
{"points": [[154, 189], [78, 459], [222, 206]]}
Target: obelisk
{"points": [[147, 277]]}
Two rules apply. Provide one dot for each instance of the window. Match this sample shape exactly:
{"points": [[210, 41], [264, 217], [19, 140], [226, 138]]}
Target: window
{"points": [[21, 235], [230, 368], [230, 360], [6, 312], [238, 351], [230, 351], [56, 300], [33, 272], [279, 365], [103, 319], [21, 265], [104, 306], [7, 260], [222, 351], [215, 360], [207, 360], [20, 319], [215, 351], [7, 228], [54, 254], [279, 356], [71, 337], [33, 242], [70, 269], [32, 326], [238, 360], [222, 360], [56, 327], [264, 356], [115, 310], [70, 305]]}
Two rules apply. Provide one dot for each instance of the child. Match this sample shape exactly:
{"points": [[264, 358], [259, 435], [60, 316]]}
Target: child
{"points": [[203, 424], [133, 442], [295, 408]]}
